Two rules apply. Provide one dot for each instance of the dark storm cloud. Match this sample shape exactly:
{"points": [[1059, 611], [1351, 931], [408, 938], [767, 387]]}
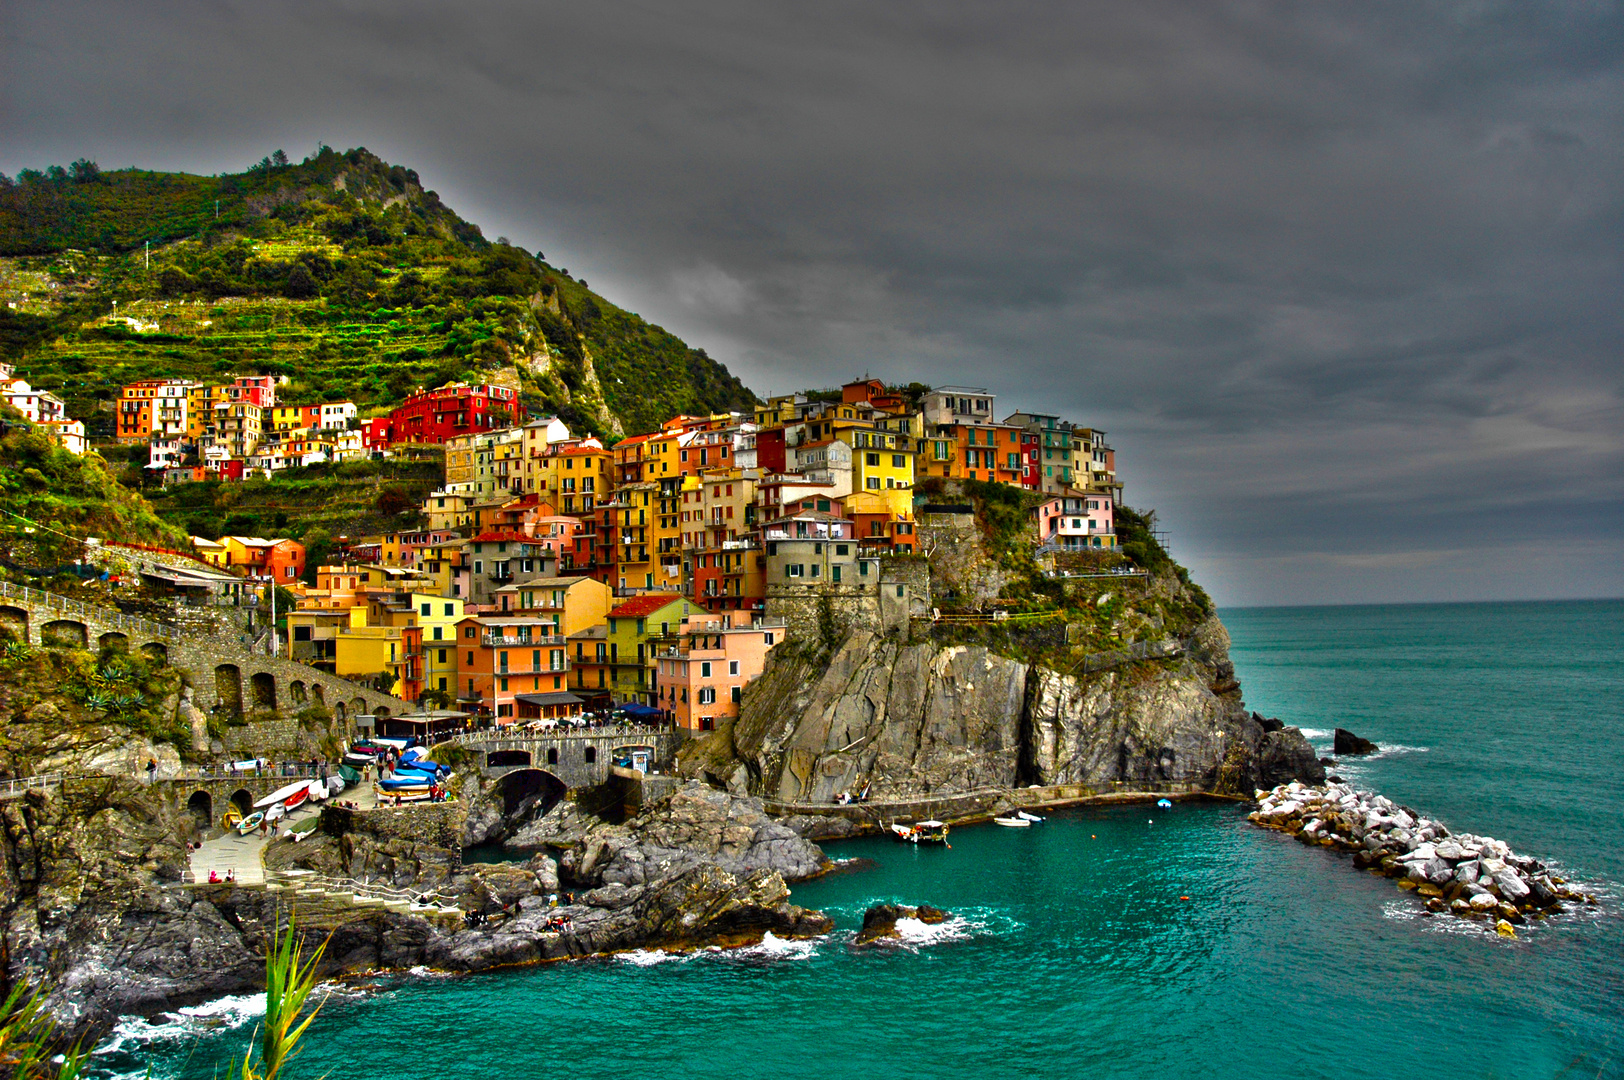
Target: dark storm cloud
{"points": [[1342, 281]]}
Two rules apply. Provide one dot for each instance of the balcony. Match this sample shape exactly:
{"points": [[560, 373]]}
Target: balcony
{"points": [[534, 669], [514, 641]]}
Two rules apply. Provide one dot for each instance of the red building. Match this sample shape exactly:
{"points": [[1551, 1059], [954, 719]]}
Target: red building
{"points": [[430, 417], [770, 451], [1031, 475]]}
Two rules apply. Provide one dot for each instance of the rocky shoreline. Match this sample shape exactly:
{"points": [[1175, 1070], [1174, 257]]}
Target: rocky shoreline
{"points": [[1461, 874]]}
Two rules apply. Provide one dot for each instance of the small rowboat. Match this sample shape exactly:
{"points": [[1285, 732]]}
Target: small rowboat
{"points": [[1012, 822], [251, 822], [1024, 816], [231, 817], [298, 797], [411, 794], [1164, 804]]}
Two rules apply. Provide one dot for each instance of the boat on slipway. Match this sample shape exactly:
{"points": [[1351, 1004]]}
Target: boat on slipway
{"points": [[283, 794]]}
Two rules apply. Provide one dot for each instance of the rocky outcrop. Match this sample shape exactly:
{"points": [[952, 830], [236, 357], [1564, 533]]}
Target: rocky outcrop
{"points": [[905, 721], [1472, 877], [1346, 742], [695, 825], [880, 921]]}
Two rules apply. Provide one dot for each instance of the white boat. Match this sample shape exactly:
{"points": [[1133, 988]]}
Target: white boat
{"points": [[317, 790], [282, 794], [1024, 816], [1012, 822]]}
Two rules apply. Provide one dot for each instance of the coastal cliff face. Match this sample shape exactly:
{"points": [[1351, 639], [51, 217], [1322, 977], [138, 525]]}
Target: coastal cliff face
{"points": [[911, 720]]}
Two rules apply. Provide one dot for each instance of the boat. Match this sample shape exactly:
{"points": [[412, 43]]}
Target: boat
{"points": [[230, 818], [298, 797], [1012, 822], [1164, 804], [251, 822], [281, 794], [317, 791], [357, 761], [335, 784], [402, 782], [412, 794], [1024, 816], [924, 832]]}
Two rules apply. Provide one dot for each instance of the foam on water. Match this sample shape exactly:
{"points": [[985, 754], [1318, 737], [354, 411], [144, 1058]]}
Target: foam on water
{"points": [[649, 957], [772, 947]]}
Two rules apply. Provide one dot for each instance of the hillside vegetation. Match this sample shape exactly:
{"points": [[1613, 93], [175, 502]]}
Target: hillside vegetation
{"points": [[340, 272], [50, 498]]}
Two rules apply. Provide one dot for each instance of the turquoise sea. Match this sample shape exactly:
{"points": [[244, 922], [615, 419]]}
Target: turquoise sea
{"points": [[1129, 942]]}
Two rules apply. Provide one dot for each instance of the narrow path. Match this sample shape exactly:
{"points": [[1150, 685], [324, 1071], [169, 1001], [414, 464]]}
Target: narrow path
{"points": [[242, 855]]}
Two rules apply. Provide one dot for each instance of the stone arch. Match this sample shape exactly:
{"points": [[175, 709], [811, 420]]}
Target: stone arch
{"points": [[497, 759], [64, 634], [296, 690], [14, 623], [228, 688], [113, 641], [319, 693], [591, 754], [552, 755], [264, 687], [201, 806], [243, 801], [381, 712], [358, 707], [157, 652], [520, 785], [339, 711]]}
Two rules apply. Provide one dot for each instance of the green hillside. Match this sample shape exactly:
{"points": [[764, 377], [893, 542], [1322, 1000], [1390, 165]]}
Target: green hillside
{"points": [[340, 272]]}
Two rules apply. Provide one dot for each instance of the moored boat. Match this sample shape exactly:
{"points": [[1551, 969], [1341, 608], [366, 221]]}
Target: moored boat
{"points": [[298, 797], [924, 832], [251, 822], [1024, 816], [1012, 822]]}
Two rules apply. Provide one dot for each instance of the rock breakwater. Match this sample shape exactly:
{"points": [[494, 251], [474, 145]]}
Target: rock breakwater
{"points": [[1468, 876]]}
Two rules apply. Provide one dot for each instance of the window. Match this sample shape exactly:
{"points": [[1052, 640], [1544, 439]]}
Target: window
{"points": [[834, 574], [842, 549], [470, 659], [872, 483], [707, 695], [768, 638], [442, 660], [793, 570], [899, 461], [737, 694], [862, 568], [591, 754], [504, 684], [823, 505], [872, 460], [705, 669], [816, 569], [732, 667]]}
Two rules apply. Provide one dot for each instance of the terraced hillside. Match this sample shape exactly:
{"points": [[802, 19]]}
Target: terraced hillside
{"points": [[341, 273]]}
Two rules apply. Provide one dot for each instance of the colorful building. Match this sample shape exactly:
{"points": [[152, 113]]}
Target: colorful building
{"points": [[700, 680]]}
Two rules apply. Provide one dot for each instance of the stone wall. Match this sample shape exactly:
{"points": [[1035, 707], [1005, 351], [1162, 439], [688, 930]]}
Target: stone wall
{"points": [[904, 591], [811, 610]]}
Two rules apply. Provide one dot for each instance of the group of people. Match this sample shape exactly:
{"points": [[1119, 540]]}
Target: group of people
{"points": [[216, 879]]}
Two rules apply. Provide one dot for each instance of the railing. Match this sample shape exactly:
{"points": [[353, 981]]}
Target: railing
{"points": [[534, 669], [56, 602], [292, 769], [514, 642], [14, 789], [509, 740]]}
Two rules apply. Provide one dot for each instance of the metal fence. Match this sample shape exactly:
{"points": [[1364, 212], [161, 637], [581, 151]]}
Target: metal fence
{"points": [[14, 789]]}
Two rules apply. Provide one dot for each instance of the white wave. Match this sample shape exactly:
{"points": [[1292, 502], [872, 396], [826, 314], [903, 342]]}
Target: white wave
{"points": [[1394, 750], [648, 957], [917, 935], [1316, 733], [222, 1014], [772, 947]]}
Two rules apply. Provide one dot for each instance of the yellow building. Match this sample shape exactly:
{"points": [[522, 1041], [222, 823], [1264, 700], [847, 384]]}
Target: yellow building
{"points": [[572, 603], [367, 651], [880, 460], [636, 505]]}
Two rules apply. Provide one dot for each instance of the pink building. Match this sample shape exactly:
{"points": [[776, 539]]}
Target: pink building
{"points": [[1085, 521], [702, 679]]}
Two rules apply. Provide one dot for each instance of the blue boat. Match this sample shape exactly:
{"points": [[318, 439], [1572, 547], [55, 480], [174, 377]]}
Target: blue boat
{"points": [[401, 783]]}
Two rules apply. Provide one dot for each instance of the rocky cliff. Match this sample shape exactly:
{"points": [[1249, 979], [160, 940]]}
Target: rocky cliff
{"points": [[917, 719]]}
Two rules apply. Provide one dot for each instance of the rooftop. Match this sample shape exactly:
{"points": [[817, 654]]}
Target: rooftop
{"points": [[639, 606]]}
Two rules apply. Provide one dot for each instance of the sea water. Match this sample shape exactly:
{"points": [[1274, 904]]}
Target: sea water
{"points": [[1128, 942]]}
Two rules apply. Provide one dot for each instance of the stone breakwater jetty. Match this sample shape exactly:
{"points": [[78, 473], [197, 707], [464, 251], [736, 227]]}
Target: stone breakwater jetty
{"points": [[1471, 877]]}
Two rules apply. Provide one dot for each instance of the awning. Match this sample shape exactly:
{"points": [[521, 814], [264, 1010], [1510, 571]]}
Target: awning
{"points": [[632, 708], [548, 699]]}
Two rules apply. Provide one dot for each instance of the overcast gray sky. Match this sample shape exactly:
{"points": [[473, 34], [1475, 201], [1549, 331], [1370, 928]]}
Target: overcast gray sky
{"points": [[1342, 281]]}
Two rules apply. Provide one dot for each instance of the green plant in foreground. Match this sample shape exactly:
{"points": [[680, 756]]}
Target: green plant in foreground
{"points": [[30, 1046], [288, 985]]}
